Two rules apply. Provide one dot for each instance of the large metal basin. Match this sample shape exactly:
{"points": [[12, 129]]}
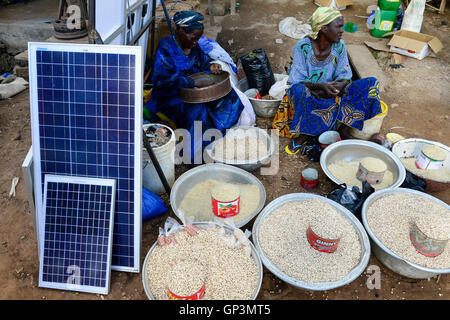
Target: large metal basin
{"points": [[248, 165], [220, 88], [356, 149], [263, 108], [316, 286], [228, 230], [384, 254], [216, 171], [408, 148]]}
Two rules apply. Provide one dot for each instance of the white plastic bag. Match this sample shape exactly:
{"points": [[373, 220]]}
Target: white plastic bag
{"points": [[293, 28], [279, 88], [10, 89], [412, 20]]}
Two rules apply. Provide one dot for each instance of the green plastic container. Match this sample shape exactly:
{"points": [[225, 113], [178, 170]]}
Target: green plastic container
{"points": [[390, 5], [383, 22]]}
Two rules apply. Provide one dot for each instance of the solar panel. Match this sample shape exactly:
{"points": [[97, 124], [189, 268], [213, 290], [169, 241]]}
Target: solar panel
{"points": [[77, 226], [86, 111]]}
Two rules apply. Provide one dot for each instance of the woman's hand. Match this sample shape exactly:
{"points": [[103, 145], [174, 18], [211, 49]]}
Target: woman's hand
{"points": [[215, 68]]}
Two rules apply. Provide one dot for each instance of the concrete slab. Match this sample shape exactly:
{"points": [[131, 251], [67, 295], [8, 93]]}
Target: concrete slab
{"points": [[24, 22], [365, 64]]}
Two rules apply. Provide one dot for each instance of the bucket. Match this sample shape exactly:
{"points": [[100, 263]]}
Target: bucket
{"points": [[383, 22], [165, 155], [391, 5], [371, 126]]}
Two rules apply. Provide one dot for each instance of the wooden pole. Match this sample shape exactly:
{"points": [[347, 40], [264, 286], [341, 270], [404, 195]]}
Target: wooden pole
{"points": [[211, 13]]}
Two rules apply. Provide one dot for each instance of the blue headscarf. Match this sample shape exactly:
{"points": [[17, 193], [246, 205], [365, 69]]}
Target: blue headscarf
{"points": [[188, 20]]}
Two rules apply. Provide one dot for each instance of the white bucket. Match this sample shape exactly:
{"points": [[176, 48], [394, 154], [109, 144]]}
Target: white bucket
{"points": [[371, 126], [165, 155]]}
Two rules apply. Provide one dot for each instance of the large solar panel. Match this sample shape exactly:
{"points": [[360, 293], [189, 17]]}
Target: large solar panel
{"points": [[76, 241], [86, 113]]}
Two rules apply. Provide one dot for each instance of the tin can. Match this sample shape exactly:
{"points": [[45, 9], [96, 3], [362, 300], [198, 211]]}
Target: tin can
{"points": [[196, 296], [329, 137], [425, 245], [309, 178], [321, 244], [371, 177], [424, 162], [226, 209]]}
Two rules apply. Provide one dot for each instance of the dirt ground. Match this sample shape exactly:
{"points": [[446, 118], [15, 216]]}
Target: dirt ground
{"points": [[419, 100]]}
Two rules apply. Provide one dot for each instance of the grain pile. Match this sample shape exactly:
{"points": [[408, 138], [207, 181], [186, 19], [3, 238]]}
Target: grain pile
{"points": [[442, 174], [241, 145], [346, 171], [186, 277], [230, 272], [197, 202], [282, 236], [390, 216]]}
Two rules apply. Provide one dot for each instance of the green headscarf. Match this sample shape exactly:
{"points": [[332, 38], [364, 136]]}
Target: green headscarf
{"points": [[321, 17]]}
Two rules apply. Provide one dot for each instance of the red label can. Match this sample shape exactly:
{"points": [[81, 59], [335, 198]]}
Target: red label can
{"points": [[226, 209], [196, 296], [321, 244]]}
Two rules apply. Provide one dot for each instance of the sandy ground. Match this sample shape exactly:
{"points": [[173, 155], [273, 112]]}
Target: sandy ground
{"points": [[419, 98]]}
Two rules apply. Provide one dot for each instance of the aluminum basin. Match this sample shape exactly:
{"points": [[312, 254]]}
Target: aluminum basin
{"points": [[316, 286], [228, 230], [386, 256], [216, 171], [356, 149]]}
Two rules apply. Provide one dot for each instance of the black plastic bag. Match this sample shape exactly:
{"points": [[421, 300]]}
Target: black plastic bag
{"points": [[258, 71], [352, 199], [312, 149], [414, 182]]}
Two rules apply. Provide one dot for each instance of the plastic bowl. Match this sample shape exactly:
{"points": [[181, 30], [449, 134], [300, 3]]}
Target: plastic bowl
{"points": [[255, 256], [215, 171], [316, 286], [384, 254], [248, 165]]}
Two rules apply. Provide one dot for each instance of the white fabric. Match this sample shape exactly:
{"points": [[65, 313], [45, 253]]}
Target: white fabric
{"points": [[293, 28], [10, 89], [248, 116]]}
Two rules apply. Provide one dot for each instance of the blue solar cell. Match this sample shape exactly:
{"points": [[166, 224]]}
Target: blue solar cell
{"points": [[86, 109], [78, 234]]}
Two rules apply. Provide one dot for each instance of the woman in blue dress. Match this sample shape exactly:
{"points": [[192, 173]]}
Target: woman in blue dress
{"points": [[176, 59], [322, 96]]}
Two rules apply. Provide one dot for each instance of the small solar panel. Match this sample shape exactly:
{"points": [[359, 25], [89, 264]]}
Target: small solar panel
{"points": [[76, 242], [86, 114]]}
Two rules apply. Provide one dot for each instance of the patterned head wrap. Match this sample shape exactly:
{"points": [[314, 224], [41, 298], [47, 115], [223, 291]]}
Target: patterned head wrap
{"points": [[321, 17], [188, 20]]}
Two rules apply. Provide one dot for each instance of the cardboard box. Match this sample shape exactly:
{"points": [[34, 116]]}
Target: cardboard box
{"points": [[340, 4], [414, 44]]}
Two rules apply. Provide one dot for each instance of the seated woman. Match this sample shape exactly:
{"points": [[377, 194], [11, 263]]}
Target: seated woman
{"points": [[321, 95], [176, 59]]}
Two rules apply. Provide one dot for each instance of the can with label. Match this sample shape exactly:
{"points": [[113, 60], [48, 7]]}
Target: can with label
{"points": [[426, 161], [186, 280], [425, 245], [226, 200], [321, 244]]}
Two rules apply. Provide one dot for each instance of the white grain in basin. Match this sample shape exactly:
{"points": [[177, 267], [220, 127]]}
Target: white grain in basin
{"points": [[282, 236]]}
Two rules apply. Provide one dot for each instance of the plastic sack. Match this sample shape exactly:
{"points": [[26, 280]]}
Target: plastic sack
{"points": [[152, 205], [239, 239], [312, 149], [257, 69], [293, 28], [352, 199], [278, 90], [414, 182], [413, 16]]}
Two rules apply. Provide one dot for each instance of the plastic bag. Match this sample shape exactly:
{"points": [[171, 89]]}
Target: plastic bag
{"points": [[278, 90], [239, 238], [312, 149], [152, 205], [413, 17], [257, 69], [414, 182], [293, 28], [352, 199]]}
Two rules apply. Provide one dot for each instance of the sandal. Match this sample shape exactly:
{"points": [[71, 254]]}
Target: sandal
{"points": [[294, 147]]}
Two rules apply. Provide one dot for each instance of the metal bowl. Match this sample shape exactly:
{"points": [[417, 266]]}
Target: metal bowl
{"points": [[356, 149], [228, 230], [316, 286], [385, 255], [219, 89], [248, 165], [215, 171], [408, 148], [263, 108]]}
